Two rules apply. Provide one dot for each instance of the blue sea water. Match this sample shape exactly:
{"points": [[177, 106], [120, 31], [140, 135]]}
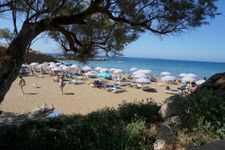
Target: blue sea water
{"points": [[175, 67]]}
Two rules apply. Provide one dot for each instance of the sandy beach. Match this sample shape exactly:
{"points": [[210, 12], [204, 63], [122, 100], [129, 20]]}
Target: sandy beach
{"points": [[80, 99]]}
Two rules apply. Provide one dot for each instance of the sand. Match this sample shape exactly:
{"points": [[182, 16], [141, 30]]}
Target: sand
{"points": [[78, 99]]}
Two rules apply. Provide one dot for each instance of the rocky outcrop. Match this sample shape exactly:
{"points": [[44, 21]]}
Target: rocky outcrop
{"points": [[32, 56], [216, 82], [171, 106], [165, 139]]}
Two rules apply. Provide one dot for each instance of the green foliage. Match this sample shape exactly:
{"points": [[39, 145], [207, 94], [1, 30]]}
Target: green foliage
{"points": [[146, 111], [103, 129], [6, 35], [204, 112]]}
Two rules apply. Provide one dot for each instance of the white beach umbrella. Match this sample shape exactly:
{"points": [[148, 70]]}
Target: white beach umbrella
{"points": [[200, 82], [183, 74], [146, 71], [103, 69], [142, 71], [168, 78], [39, 66], [58, 63], [112, 69], [192, 75], [142, 80], [98, 68], [140, 75], [91, 73], [24, 65], [34, 64], [133, 69], [45, 64], [65, 68], [74, 66], [187, 79], [86, 68], [52, 65], [165, 73], [117, 71], [56, 69]]}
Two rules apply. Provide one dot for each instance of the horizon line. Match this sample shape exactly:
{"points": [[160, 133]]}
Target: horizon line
{"points": [[209, 61]]}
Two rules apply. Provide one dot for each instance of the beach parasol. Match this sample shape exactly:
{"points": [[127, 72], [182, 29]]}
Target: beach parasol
{"points": [[140, 75], [200, 82], [74, 66], [34, 64], [117, 71], [192, 75], [103, 69], [187, 79], [183, 75], [86, 68], [98, 68], [165, 73], [133, 69], [168, 78], [142, 80]]}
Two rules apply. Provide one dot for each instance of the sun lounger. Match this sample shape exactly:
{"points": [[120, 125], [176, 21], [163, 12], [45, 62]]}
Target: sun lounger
{"points": [[115, 89], [169, 91], [118, 90], [149, 89], [76, 82]]}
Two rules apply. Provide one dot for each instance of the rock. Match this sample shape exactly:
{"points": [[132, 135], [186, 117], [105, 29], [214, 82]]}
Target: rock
{"points": [[166, 140], [171, 106], [31, 56], [217, 145], [216, 82], [42, 111]]}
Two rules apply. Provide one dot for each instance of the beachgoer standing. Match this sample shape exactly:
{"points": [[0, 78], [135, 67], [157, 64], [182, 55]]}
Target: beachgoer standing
{"points": [[61, 83], [22, 83]]}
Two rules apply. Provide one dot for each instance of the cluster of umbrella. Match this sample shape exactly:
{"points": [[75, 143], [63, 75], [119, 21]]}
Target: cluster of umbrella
{"points": [[166, 77], [141, 76], [190, 77], [185, 77]]}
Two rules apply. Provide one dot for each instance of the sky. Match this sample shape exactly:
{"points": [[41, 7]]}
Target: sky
{"points": [[205, 43]]}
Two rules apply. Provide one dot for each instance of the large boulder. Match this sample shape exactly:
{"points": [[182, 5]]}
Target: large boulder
{"points": [[165, 138], [216, 82], [171, 106]]}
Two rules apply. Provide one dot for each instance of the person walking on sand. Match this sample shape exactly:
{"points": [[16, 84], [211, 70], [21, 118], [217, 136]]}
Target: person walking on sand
{"points": [[22, 83], [61, 83]]}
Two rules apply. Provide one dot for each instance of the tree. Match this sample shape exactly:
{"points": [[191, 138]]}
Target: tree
{"points": [[91, 26], [6, 35]]}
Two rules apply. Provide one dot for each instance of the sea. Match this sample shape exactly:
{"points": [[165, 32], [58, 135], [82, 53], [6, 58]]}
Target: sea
{"points": [[175, 67]]}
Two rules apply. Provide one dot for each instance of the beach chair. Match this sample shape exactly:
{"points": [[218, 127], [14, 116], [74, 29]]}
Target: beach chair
{"points": [[170, 91], [173, 91], [119, 90], [149, 89], [116, 89]]}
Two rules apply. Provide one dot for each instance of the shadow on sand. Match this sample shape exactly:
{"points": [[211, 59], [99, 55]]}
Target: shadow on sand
{"points": [[31, 93], [68, 93]]}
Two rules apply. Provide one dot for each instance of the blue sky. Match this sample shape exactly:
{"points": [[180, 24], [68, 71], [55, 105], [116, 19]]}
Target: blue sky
{"points": [[206, 43]]}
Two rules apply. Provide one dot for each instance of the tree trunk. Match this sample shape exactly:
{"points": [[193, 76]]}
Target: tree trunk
{"points": [[10, 64]]}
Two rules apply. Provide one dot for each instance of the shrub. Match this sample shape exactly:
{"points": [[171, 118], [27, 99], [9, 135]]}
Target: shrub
{"points": [[205, 111], [103, 129], [139, 110]]}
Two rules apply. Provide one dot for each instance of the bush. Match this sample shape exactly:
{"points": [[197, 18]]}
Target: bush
{"points": [[205, 111], [139, 110], [104, 129]]}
